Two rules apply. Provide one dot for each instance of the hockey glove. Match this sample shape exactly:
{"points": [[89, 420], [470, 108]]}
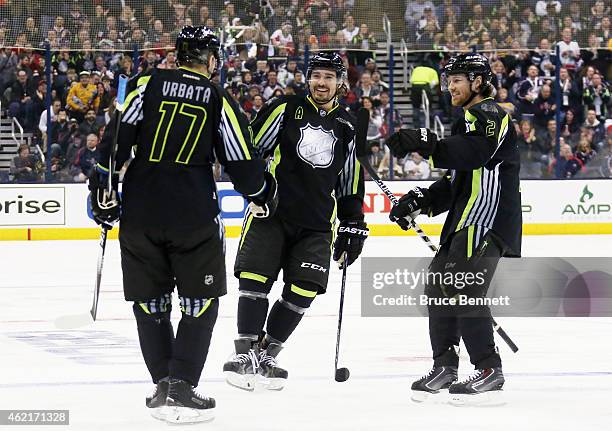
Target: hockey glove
{"points": [[349, 242], [406, 141], [105, 204], [409, 206], [264, 203]]}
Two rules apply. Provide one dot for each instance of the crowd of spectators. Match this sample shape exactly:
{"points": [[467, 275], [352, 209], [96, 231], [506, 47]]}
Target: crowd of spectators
{"points": [[92, 42]]}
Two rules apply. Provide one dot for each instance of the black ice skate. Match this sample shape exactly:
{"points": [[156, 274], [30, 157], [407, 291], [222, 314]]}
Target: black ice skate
{"points": [[157, 399], [273, 377], [185, 406], [484, 387], [240, 371], [438, 379]]}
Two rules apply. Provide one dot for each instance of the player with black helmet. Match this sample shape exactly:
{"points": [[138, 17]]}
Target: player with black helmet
{"points": [[480, 191], [171, 233], [310, 143]]}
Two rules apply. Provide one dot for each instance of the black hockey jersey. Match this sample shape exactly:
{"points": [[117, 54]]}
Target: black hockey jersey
{"points": [[179, 123], [313, 159], [481, 186]]}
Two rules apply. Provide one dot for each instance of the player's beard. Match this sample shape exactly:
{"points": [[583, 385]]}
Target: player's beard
{"points": [[322, 98]]}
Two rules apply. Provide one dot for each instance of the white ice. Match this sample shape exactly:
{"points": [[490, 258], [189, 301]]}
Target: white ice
{"points": [[561, 379]]}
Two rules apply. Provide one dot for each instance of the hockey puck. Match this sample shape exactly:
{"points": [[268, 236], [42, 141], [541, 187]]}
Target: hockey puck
{"points": [[342, 374]]}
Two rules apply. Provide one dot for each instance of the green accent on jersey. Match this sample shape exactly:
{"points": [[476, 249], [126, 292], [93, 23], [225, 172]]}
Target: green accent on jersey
{"points": [[236, 127], [277, 111], [246, 229], [144, 80], [431, 162], [504, 126], [476, 174], [205, 307], [356, 176], [275, 160], [199, 117], [332, 219], [188, 69], [470, 240], [253, 276], [303, 292], [163, 110], [144, 308], [99, 166], [317, 107], [470, 119]]}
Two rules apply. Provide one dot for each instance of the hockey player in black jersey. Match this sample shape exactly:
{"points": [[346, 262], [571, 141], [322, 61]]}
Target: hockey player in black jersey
{"points": [[310, 142], [171, 233], [480, 191]]}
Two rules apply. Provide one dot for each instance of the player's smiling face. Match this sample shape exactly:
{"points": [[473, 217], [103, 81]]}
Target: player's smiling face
{"points": [[323, 84], [459, 88]]}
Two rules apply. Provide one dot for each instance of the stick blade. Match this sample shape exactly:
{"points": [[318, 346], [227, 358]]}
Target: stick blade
{"points": [[73, 321], [361, 133]]}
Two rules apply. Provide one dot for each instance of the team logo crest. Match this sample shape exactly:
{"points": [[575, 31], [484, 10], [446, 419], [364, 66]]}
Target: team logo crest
{"points": [[316, 146]]}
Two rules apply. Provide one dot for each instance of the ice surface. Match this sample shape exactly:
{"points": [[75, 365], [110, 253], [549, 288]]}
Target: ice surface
{"points": [[559, 380]]}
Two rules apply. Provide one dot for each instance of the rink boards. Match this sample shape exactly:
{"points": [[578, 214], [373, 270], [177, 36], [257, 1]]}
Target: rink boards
{"points": [[61, 211]]}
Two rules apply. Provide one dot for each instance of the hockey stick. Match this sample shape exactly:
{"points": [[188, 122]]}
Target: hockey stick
{"points": [[79, 320], [341, 374], [363, 118]]}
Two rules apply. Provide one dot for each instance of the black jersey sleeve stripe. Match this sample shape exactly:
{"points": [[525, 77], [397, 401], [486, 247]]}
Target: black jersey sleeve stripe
{"points": [[228, 149], [268, 140]]}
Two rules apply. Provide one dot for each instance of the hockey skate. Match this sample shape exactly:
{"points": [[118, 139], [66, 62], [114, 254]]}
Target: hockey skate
{"points": [[241, 370], [157, 400], [483, 388], [272, 377], [436, 380], [185, 406]]}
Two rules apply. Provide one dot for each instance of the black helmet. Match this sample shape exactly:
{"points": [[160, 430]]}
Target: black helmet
{"points": [[327, 60], [472, 65], [194, 44]]}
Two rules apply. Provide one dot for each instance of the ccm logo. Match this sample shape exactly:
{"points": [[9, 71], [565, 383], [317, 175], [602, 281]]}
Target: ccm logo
{"points": [[354, 230], [313, 266]]}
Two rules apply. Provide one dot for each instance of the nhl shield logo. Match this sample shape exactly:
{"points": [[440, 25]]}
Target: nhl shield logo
{"points": [[316, 146], [208, 279]]}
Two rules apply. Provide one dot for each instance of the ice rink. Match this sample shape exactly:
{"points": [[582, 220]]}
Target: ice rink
{"points": [[561, 378]]}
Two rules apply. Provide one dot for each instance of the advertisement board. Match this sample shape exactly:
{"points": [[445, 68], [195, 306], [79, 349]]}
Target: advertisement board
{"points": [[61, 211]]}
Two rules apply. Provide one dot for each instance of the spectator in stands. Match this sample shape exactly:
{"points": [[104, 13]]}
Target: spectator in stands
{"points": [[528, 91], [584, 152], [448, 38], [376, 120], [570, 92], [597, 97], [384, 109], [82, 97], [21, 105], [350, 30], [271, 85], [63, 131], [258, 103], [533, 154], [366, 88], [286, 73], [42, 123], [548, 137], [543, 58], [61, 32], [544, 106], [377, 83], [281, 41], [415, 10], [416, 168], [603, 161], [89, 125], [596, 126], [502, 100], [568, 164], [568, 49], [298, 84], [87, 158], [570, 128], [365, 41], [599, 12], [26, 168]]}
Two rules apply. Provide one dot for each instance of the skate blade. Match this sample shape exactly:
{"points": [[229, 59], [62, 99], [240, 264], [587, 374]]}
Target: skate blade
{"points": [[159, 413], [185, 415], [420, 397], [485, 399], [271, 383], [246, 382]]}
